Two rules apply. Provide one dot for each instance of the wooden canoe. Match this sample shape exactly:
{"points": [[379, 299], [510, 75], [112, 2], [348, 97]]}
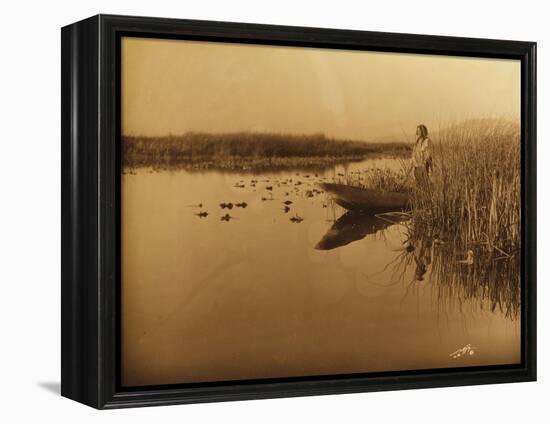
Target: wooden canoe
{"points": [[367, 200]]}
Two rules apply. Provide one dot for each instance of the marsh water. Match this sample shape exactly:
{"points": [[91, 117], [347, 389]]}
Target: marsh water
{"points": [[260, 288]]}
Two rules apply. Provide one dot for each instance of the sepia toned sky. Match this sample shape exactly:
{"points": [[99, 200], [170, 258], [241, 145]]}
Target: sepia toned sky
{"points": [[174, 86]]}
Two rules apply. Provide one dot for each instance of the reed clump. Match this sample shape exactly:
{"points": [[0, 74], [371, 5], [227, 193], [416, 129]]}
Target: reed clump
{"points": [[473, 193], [470, 206], [473, 196]]}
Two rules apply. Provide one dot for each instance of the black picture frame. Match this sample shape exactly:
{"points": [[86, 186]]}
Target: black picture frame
{"points": [[90, 182]]}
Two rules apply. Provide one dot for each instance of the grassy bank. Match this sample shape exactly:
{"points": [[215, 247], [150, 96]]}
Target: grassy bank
{"points": [[249, 151]]}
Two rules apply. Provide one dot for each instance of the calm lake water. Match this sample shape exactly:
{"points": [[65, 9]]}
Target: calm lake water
{"points": [[257, 295]]}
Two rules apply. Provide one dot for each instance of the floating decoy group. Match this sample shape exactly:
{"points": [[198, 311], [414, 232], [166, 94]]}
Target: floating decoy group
{"points": [[302, 185]]}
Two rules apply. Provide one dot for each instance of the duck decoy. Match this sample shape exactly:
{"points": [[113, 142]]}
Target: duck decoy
{"points": [[241, 205], [203, 214], [296, 219], [469, 258], [268, 198], [226, 217]]}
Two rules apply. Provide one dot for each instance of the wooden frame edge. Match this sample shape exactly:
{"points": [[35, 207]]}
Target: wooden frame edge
{"points": [[88, 131]]}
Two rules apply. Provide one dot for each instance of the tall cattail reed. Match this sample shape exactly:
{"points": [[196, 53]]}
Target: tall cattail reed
{"points": [[472, 203], [473, 197]]}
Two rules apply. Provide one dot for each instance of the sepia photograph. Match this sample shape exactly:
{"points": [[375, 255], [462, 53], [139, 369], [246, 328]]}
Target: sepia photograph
{"points": [[297, 211]]}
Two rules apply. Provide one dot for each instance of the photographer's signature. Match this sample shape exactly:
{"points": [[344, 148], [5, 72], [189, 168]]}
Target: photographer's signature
{"points": [[466, 350]]}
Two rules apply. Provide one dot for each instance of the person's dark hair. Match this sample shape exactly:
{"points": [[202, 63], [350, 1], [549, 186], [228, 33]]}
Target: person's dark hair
{"points": [[423, 130]]}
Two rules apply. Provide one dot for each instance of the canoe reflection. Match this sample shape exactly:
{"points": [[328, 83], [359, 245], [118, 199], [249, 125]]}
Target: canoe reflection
{"points": [[350, 227]]}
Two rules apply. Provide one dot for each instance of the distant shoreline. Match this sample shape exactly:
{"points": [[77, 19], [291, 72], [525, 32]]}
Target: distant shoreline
{"points": [[250, 151]]}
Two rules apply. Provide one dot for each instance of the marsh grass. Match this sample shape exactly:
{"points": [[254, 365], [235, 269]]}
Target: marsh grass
{"points": [[473, 197], [382, 179], [472, 202], [248, 151]]}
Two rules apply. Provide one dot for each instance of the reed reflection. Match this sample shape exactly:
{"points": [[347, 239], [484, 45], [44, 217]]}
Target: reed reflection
{"points": [[488, 278]]}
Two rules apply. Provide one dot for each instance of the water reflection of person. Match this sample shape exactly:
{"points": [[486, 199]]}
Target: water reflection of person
{"points": [[422, 155], [422, 258]]}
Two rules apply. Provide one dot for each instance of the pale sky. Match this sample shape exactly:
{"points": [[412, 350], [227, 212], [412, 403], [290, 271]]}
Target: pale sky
{"points": [[176, 86]]}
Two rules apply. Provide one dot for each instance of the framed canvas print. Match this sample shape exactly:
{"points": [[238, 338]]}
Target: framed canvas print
{"points": [[254, 211]]}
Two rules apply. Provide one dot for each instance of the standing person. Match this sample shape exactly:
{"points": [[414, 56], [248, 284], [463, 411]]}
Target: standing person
{"points": [[422, 155]]}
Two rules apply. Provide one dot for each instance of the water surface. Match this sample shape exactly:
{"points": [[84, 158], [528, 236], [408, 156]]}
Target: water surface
{"points": [[258, 295]]}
